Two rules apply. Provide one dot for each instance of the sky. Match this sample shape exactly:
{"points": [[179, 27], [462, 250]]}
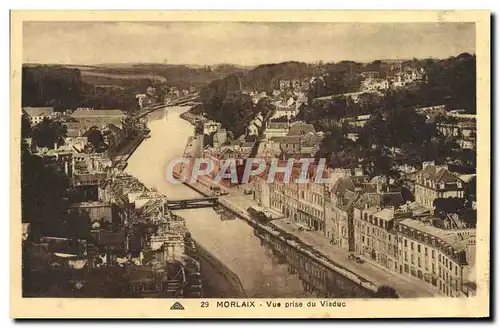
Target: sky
{"points": [[242, 43]]}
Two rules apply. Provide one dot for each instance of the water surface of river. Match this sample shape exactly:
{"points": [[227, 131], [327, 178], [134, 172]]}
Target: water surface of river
{"points": [[232, 241]]}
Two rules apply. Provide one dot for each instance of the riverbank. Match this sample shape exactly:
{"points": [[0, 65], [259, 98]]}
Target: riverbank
{"points": [[367, 274], [125, 150], [218, 280], [239, 208]]}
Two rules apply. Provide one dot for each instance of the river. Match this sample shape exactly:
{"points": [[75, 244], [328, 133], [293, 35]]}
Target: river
{"points": [[232, 241]]}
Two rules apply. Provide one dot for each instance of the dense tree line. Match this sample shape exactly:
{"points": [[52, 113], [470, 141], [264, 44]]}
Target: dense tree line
{"points": [[450, 82], [49, 133], [64, 88], [179, 76], [392, 137], [225, 103]]}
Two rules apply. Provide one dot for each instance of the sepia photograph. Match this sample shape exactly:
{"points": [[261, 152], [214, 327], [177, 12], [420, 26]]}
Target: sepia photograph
{"points": [[201, 164]]}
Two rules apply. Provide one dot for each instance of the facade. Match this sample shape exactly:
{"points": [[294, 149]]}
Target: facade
{"points": [[99, 118], [303, 203], [436, 182], [373, 217], [375, 238], [276, 129], [288, 112], [255, 125], [339, 213], [461, 130], [211, 127], [436, 256], [360, 120], [220, 138]]}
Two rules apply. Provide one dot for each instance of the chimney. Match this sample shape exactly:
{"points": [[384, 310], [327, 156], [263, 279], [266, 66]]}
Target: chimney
{"points": [[55, 145]]}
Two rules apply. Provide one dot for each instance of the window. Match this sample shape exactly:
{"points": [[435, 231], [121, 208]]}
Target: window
{"points": [[418, 248], [433, 254], [456, 270], [439, 257], [418, 261], [433, 268], [406, 256], [406, 243], [425, 251], [412, 259], [411, 245]]}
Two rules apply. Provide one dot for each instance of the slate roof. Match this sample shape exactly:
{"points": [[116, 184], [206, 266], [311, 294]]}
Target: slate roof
{"points": [[277, 125], [301, 129], [438, 174], [383, 199], [38, 111], [97, 113]]}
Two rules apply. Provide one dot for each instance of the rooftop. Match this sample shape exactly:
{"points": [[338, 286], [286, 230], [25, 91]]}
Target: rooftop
{"points": [[97, 113], [453, 238], [38, 111], [438, 174], [301, 129]]}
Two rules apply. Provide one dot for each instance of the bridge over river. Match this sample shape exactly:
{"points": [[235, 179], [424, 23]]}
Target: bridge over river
{"points": [[258, 264]]}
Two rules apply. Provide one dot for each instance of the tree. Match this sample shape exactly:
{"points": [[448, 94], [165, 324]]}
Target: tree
{"points": [[264, 106], [25, 127], [386, 292], [43, 194], [470, 192], [49, 133], [95, 138], [448, 205]]}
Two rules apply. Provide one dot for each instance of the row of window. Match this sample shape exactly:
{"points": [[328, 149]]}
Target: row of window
{"points": [[441, 259]]}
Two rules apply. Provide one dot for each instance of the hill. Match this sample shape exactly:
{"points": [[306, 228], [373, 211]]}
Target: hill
{"points": [[180, 76]]}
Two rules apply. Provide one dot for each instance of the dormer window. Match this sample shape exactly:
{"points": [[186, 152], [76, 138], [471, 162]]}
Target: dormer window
{"points": [[441, 185]]}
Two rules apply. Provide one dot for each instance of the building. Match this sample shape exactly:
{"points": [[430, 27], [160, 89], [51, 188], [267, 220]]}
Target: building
{"points": [[444, 259], [220, 138], [99, 118], [360, 120], [371, 84], [255, 125], [373, 218], [211, 127], [276, 129], [97, 211], [299, 129], [461, 128], [303, 203], [339, 213], [434, 182], [38, 114], [113, 136], [76, 137]]}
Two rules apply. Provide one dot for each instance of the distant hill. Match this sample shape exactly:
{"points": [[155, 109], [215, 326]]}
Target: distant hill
{"points": [[180, 76]]}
